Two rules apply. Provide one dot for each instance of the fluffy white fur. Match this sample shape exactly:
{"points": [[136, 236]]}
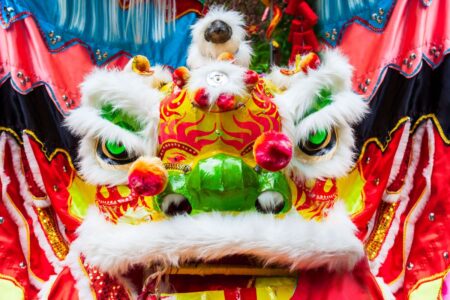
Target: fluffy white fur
{"points": [[202, 52], [397, 161], [16, 215], [404, 200], [28, 205], [32, 162], [161, 75], [291, 241], [346, 109], [123, 90], [417, 210], [270, 200], [235, 84]]}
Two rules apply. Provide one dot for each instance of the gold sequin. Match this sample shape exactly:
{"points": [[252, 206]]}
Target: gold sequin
{"points": [[48, 222], [382, 224]]}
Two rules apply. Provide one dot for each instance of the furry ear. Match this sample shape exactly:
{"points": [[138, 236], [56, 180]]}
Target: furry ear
{"points": [[119, 111], [202, 52], [318, 110]]}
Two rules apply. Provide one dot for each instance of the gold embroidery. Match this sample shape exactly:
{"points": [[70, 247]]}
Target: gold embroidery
{"points": [[381, 228], [48, 222]]}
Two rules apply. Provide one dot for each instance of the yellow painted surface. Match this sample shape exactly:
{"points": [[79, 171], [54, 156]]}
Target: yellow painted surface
{"points": [[209, 295], [9, 290], [427, 290], [82, 195], [350, 189]]}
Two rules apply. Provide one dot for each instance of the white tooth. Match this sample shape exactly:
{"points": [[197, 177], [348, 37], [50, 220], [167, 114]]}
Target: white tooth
{"points": [[270, 200]]}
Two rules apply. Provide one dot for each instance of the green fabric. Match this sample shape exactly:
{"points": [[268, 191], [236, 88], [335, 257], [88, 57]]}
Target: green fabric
{"points": [[120, 118]]}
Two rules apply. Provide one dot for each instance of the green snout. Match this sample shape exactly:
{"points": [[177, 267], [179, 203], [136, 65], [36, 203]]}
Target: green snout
{"points": [[225, 183]]}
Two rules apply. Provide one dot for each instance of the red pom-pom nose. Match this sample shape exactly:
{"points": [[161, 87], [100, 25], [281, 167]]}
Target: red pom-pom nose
{"points": [[147, 176], [226, 101], [201, 97], [272, 151]]}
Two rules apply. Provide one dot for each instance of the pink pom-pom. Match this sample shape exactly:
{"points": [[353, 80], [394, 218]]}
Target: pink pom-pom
{"points": [[272, 151]]}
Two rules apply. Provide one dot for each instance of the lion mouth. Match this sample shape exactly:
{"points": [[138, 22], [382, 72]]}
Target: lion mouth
{"points": [[230, 272]]}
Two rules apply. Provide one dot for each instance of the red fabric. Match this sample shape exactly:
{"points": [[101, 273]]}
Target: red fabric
{"points": [[62, 69], [64, 287], [412, 28], [11, 252], [372, 165], [321, 284], [39, 263], [430, 235], [56, 182]]}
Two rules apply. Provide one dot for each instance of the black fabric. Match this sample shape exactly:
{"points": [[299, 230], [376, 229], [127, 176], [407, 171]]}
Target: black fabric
{"points": [[425, 93], [37, 112]]}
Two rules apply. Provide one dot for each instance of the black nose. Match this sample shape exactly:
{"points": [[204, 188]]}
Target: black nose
{"points": [[218, 32]]}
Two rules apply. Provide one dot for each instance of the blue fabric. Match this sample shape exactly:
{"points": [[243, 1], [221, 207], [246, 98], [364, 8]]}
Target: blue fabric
{"points": [[172, 50], [335, 15]]}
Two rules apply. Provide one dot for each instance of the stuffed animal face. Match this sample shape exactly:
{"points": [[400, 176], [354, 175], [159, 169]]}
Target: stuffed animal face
{"points": [[221, 163], [219, 31]]}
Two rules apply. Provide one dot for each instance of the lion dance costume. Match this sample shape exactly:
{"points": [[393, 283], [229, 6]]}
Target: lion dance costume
{"points": [[209, 182]]}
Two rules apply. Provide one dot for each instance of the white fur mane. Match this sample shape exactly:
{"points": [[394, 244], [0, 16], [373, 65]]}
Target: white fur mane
{"points": [[202, 52]]}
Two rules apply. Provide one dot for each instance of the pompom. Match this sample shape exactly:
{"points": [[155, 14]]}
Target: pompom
{"points": [[226, 101], [180, 76], [272, 151], [147, 176], [201, 97]]}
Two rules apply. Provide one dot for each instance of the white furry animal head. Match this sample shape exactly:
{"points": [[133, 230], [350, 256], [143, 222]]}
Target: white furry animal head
{"points": [[118, 109], [217, 32], [318, 110]]}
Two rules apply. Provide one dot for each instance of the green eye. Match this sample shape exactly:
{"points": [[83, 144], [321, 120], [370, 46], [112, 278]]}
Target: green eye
{"points": [[114, 148], [114, 153], [318, 138], [318, 143]]}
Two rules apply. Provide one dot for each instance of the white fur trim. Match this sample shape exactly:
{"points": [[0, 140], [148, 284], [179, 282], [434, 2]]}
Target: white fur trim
{"points": [[414, 215], [399, 154], [91, 170], [35, 171], [46, 288], [161, 75], [86, 122], [346, 109], [234, 85], [16, 215], [32, 162], [387, 294], [397, 161], [291, 241], [124, 90], [28, 204], [202, 52], [404, 199]]}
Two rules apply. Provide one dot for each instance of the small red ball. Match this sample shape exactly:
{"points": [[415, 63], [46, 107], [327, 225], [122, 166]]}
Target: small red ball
{"points": [[251, 77], [201, 97], [226, 101]]}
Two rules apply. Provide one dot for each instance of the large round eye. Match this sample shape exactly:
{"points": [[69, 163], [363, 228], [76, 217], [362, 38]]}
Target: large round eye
{"points": [[319, 143], [114, 153]]}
